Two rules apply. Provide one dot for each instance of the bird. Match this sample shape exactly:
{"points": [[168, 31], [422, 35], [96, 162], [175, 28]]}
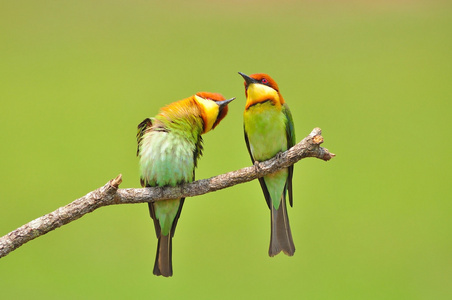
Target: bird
{"points": [[269, 130], [169, 146]]}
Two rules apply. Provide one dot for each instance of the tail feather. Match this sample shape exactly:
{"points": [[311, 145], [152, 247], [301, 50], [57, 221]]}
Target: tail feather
{"points": [[163, 260], [281, 236]]}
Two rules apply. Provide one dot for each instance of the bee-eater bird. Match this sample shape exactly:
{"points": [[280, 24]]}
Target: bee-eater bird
{"points": [[269, 130], [169, 146]]}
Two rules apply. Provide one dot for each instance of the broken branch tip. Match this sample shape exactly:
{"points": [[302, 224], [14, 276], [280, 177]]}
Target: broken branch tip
{"points": [[117, 181]]}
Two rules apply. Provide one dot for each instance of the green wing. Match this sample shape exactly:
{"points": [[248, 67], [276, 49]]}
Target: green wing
{"points": [[290, 134], [142, 127]]}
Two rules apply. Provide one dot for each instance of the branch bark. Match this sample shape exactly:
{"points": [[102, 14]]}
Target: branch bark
{"points": [[109, 194]]}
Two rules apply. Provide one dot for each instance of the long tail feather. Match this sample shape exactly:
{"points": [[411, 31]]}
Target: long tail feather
{"points": [[163, 260], [281, 236]]}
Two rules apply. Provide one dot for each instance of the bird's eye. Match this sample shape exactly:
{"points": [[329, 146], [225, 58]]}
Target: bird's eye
{"points": [[264, 80]]}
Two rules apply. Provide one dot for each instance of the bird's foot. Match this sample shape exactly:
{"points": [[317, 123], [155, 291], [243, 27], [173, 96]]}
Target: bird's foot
{"points": [[257, 168], [279, 155]]}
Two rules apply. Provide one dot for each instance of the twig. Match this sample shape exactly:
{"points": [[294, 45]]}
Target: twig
{"points": [[109, 194]]}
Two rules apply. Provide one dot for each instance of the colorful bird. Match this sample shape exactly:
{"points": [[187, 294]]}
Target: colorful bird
{"points": [[169, 146], [269, 130]]}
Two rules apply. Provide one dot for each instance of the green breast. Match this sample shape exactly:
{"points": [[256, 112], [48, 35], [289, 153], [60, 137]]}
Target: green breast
{"points": [[265, 126], [166, 159], [168, 154]]}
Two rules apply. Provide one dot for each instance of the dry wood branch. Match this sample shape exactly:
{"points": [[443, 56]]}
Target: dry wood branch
{"points": [[109, 194]]}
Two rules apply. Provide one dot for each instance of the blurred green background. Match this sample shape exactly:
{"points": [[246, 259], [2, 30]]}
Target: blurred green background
{"points": [[76, 77]]}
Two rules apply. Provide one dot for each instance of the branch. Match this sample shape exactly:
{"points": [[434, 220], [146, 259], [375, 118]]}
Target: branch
{"points": [[109, 194]]}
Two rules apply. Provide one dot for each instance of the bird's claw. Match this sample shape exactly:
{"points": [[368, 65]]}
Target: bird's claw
{"points": [[257, 168]]}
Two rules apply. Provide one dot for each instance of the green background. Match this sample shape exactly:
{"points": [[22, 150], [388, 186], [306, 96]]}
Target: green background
{"points": [[76, 77]]}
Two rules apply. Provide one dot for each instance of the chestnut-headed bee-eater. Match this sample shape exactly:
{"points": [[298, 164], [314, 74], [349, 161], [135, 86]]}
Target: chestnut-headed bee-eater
{"points": [[169, 146], [269, 130]]}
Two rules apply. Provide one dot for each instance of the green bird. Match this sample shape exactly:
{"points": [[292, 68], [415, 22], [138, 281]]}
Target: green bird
{"points": [[169, 146], [269, 130]]}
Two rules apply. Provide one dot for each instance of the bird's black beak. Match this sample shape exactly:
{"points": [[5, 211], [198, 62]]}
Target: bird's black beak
{"points": [[248, 79], [223, 103]]}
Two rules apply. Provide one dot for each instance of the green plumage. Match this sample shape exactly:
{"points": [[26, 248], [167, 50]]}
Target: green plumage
{"points": [[168, 147], [269, 130]]}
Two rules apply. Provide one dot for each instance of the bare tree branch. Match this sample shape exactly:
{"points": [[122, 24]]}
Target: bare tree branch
{"points": [[109, 194]]}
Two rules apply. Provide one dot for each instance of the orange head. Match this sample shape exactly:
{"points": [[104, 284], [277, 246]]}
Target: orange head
{"points": [[214, 108], [261, 87]]}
